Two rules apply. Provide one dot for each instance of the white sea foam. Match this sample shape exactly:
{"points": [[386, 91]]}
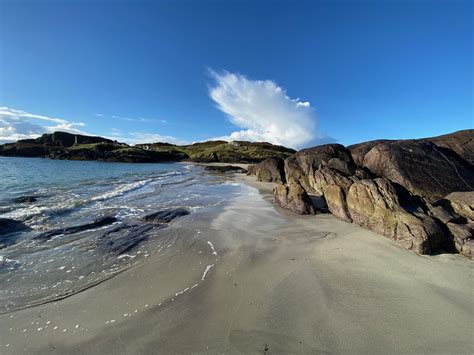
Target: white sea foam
{"points": [[181, 292], [214, 252], [4, 260], [126, 256], [208, 268], [121, 190]]}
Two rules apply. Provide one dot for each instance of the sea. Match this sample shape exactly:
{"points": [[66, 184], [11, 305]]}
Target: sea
{"points": [[47, 259]]}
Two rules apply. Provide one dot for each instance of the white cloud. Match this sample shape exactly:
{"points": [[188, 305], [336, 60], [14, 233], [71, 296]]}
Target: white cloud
{"points": [[142, 137], [137, 119], [18, 124], [264, 111]]}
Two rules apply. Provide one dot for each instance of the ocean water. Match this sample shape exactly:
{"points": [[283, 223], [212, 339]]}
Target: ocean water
{"points": [[35, 269]]}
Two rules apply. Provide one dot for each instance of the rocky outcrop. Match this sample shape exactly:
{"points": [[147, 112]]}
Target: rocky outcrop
{"points": [[443, 214], [252, 169], [271, 170], [303, 165], [462, 203], [326, 176], [165, 216], [293, 197], [375, 205], [358, 151], [394, 188], [225, 169], [463, 238], [461, 142], [335, 197], [421, 167]]}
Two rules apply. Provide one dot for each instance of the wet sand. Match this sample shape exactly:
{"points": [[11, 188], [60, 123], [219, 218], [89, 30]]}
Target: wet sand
{"points": [[256, 279]]}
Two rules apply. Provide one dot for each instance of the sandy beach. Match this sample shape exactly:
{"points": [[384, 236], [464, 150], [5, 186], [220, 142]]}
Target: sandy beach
{"points": [[256, 279]]}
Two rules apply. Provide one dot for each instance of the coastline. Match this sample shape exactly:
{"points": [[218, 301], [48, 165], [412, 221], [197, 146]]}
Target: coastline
{"points": [[266, 279]]}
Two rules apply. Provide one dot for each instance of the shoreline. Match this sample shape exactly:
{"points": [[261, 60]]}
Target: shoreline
{"points": [[266, 278]]}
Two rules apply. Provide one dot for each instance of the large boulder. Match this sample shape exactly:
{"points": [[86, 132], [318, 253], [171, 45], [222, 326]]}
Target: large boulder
{"points": [[421, 167], [375, 205], [463, 238], [335, 197], [461, 142], [252, 169], [302, 165], [271, 170], [293, 197], [445, 215], [462, 203], [358, 151], [326, 176]]}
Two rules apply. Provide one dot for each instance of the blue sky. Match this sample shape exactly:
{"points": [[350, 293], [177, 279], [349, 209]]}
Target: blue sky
{"points": [[291, 72]]}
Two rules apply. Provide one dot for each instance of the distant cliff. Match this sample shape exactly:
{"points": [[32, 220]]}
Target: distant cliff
{"points": [[67, 146]]}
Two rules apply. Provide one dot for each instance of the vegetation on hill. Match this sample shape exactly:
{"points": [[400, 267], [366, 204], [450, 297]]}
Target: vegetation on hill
{"points": [[61, 145]]}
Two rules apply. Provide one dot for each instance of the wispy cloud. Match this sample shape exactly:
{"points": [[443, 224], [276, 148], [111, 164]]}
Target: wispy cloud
{"points": [[132, 119], [18, 124], [264, 111]]}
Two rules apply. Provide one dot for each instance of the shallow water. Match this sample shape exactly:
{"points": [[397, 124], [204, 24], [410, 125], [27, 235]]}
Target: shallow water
{"points": [[73, 193]]}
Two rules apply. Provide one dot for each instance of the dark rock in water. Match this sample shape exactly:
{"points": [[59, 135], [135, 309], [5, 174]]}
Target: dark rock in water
{"points": [[26, 199], [9, 229], [126, 237], [165, 216], [8, 226], [226, 169], [294, 198], [271, 170], [421, 167], [100, 222]]}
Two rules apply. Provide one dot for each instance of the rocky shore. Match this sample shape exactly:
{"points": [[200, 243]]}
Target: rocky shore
{"points": [[419, 192], [416, 192]]}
